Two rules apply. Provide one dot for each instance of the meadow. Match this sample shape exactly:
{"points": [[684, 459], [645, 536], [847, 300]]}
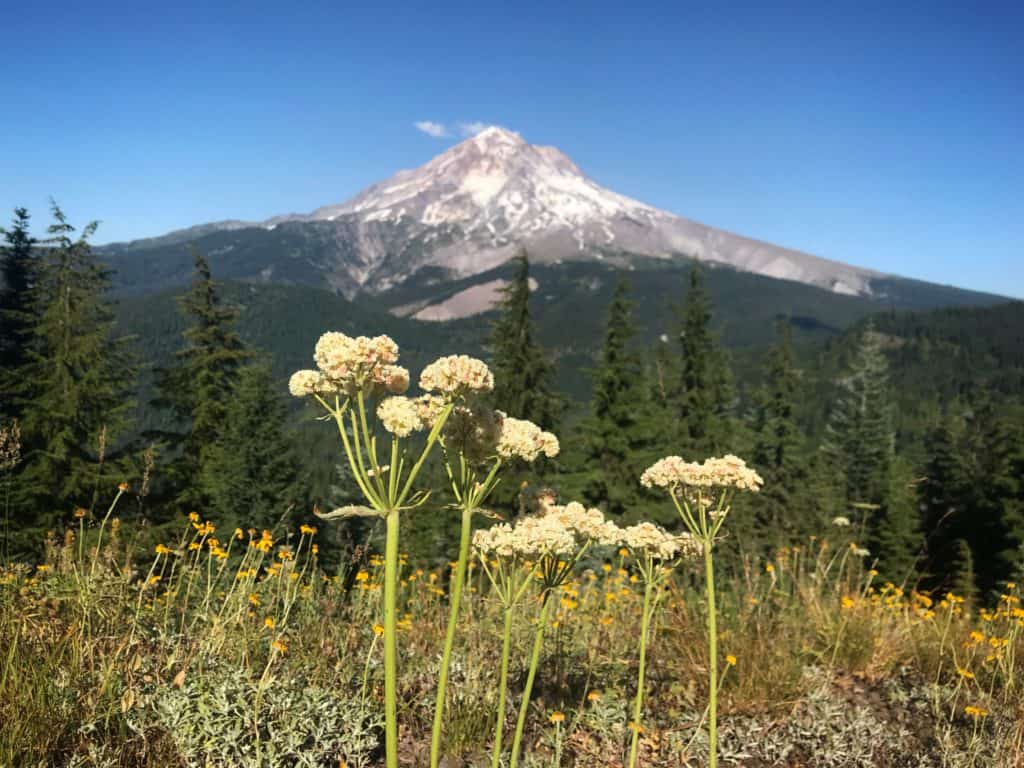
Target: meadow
{"points": [[552, 638]]}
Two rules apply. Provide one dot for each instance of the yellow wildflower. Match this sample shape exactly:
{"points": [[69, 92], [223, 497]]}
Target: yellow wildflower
{"points": [[557, 717]]}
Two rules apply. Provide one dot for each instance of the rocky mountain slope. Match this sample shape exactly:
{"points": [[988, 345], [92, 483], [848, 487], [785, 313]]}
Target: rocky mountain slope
{"points": [[466, 212]]}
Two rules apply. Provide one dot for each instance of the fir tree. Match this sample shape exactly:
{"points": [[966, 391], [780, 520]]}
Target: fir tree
{"points": [[996, 526], [943, 497], [701, 404], [779, 508], [78, 380], [249, 472], [199, 388], [897, 541], [617, 435], [859, 437], [522, 372], [19, 268]]}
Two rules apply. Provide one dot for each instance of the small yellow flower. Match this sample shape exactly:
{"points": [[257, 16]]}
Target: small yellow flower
{"points": [[316, 549], [122, 487], [730, 660], [847, 602], [279, 646], [965, 673], [378, 629], [162, 549], [362, 576], [975, 711], [309, 530], [594, 696], [269, 622], [557, 717], [254, 598], [769, 568], [239, 533], [193, 517], [80, 513]]}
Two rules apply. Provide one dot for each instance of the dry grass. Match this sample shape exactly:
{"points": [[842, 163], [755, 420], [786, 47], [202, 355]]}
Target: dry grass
{"points": [[242, 651]]}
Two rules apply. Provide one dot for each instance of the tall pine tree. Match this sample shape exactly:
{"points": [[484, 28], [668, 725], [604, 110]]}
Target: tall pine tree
{"points": [[701, 401], [617, 436], [249, 473], [77, 384], [522, 371], [780, 511], [19, 273], [859, 436], [199, 387]]}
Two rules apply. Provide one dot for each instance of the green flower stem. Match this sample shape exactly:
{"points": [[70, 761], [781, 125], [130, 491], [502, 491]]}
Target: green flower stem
{"points": [[638, 703], [390, 644], [709, 572], [455, 598], [524, 707], [99, 539], [499, 724]]}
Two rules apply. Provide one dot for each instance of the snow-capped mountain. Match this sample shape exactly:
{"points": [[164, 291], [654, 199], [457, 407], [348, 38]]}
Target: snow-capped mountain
{"points": [[471, 207]]}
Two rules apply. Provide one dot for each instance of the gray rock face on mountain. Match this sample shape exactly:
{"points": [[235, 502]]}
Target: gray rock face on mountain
{"points": [[469, 208]]}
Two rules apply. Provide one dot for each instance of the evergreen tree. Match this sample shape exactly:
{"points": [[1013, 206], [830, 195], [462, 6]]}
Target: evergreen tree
{"points": [[77, 384], [522, 372], [995, 528], [19, 268], [249, 472], [618, 433], [943, 497], [897, 541], [778, 442], [702, 401], [859, 437], [199, 388]]}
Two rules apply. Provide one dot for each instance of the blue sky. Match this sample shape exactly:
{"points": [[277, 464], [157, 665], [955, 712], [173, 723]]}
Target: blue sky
{"points": [[887, 137]]}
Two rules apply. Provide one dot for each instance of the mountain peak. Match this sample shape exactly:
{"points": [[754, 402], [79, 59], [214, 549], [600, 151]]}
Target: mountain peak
{"points": [[495, 135], [469, 208]]}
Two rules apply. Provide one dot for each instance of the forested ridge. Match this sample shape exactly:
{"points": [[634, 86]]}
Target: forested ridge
{"points": [[909, 422]]}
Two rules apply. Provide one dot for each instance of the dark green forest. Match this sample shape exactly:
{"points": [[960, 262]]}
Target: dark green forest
{"points": [[908, 423]]}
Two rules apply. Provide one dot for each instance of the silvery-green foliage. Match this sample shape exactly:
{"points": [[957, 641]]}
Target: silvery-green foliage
{"points": [[211, 720]]}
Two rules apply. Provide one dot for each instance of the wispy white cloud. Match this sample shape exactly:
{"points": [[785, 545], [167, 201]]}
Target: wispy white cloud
{"points": [[473, 128], [429, 127]]}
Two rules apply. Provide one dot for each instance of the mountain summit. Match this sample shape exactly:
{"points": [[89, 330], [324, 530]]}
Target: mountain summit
{"points": [[464, 213], [471, 207]]}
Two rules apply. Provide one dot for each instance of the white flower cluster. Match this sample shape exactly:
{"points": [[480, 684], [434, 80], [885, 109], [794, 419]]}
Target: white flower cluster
{"points": [[530, 538], [305, 383], [400, 416], [457, 376], [647, 538], [729, 471], [559, 532], [349, 365], [841, 522], [524, 440], [586, 524]]}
